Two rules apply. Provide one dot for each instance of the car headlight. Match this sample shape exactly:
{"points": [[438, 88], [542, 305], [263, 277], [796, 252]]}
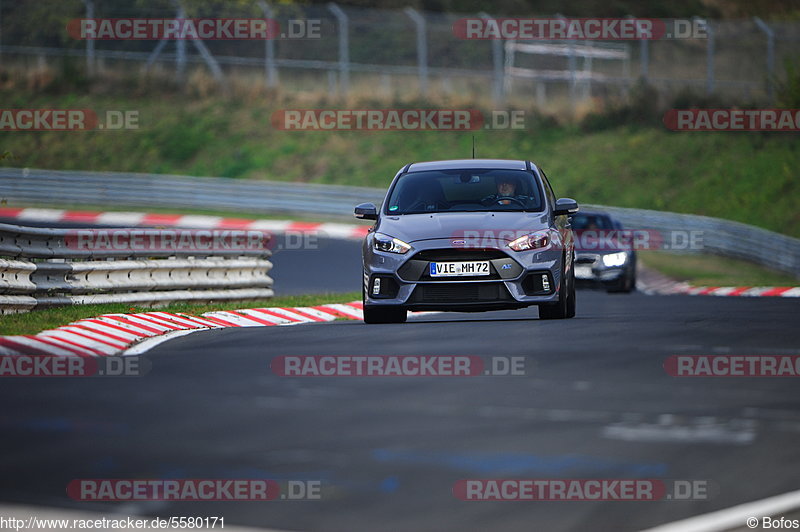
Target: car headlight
{"points": [[615, 259], [390, 244], [532, 241]]}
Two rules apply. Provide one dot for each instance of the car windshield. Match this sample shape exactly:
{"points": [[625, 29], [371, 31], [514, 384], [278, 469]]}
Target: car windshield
{"points": [[465, 190], [591, 222]]}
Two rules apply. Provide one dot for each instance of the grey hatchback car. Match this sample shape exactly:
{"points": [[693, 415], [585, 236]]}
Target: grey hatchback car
{"points": [[468, 235]]}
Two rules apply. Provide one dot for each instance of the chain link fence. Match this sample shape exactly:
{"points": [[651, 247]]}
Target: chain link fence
{"points": [[343, 51]]}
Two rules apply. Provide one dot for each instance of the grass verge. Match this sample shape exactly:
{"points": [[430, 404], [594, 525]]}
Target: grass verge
{"points": [[713, 270], [747, 177], [40, 320]]}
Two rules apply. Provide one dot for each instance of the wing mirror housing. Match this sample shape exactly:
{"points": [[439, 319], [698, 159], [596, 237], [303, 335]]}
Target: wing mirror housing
{"points": [[566, 206], [366, 211]]}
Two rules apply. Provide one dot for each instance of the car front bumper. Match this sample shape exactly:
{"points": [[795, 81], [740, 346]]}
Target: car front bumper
{"points": [[589, 268], [516, 280]]}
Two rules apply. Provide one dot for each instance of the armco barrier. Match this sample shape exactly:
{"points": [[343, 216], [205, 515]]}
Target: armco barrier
{"points": [[43, 270], [29, 186], [146, 190]]}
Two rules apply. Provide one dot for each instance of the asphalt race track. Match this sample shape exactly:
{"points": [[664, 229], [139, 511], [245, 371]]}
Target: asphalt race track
{"points": [[595, 403]]}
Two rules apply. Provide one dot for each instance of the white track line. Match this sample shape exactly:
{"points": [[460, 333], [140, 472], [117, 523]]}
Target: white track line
{"points": [[735, 516]]}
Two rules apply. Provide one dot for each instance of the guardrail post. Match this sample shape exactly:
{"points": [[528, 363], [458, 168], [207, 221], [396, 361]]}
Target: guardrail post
{"points": [[269, 50], [770, 57], [344, 48], [422, 48], [498, 83], [90, 61]]}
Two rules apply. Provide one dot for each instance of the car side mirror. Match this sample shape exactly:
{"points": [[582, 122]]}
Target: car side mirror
{"points": [[366, 211], [565, 206]]}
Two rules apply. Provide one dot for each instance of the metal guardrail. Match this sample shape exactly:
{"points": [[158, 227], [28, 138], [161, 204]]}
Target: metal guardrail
{"points": [[58, 274], [718, 237], [722, 237], [147, 190]]}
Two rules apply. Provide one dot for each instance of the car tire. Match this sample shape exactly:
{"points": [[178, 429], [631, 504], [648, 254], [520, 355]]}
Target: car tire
{"points": [[373, 314], [565, 307], [382, 314], [626, 283]]}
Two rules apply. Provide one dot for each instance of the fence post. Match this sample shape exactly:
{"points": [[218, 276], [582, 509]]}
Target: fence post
{"points": [[344, 48], [573, 81], [269, 50], [180, 51], [498, 84], [332, 83], [422, 48], [644, 59], [154, 54], [709, 58], [90, 63], [212, 64], [770, 56], [586, 86], [509, 64]]}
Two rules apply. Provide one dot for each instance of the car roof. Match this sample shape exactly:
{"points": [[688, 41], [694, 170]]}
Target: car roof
{"points": [[456, 164]]}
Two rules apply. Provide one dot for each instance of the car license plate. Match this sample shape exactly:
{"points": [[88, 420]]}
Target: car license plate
{"points": [[583, 272], [459, 269]]}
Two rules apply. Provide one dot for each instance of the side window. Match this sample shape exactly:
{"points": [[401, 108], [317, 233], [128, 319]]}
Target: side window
{"points": [[548, 190]]}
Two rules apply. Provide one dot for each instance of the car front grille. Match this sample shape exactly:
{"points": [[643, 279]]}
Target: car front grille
{"points": [[455, 254], [460, 293], [586, 259], [417, 267]]}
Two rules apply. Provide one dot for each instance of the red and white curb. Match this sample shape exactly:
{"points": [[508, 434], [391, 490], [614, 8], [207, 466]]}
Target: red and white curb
{"points": [[189, 221], [745, 291], [115, 334], [654, 283]]}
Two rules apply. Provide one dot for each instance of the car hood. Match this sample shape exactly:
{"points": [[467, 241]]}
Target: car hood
{"points": [[457, 225]]}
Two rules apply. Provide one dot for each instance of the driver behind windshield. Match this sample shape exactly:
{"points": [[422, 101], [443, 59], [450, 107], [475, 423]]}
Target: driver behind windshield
{"points": [[506, 193]]}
